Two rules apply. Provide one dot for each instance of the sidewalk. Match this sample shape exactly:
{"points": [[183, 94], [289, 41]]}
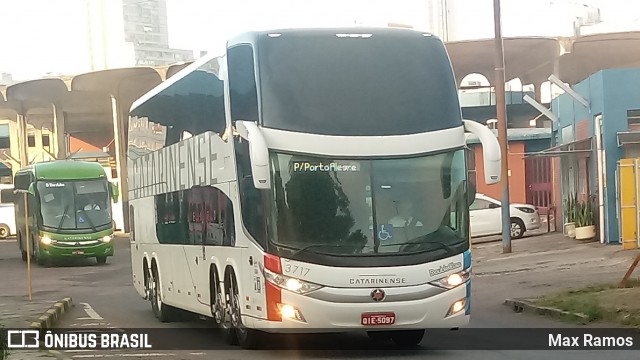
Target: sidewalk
{"points": [[542, 264], [19, 313]]}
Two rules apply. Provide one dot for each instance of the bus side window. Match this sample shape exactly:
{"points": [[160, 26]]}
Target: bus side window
{"points": [[242, 83], [251, 202]]}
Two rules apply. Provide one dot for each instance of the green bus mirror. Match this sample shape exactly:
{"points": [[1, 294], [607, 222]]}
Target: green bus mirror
{"points": [[115, 193], [32, 189]]}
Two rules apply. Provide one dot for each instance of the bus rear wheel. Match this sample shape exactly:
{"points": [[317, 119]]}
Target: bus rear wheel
{"points": [[407, 337]]}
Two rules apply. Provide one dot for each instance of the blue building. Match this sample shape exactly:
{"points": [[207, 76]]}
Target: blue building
{"points": [[590, 140]]}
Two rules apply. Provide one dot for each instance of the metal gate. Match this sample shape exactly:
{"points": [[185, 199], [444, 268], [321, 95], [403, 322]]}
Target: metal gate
{"points": [[628, 183], [539, 187]]}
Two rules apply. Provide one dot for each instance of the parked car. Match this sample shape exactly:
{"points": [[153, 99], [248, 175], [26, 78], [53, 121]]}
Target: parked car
{"points": [[7, 221], [486, 212]]}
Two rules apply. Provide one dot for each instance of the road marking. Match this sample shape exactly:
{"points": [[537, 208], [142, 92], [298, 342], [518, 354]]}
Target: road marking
{"points": [[121, 355], [7, 240], [92, 313]]}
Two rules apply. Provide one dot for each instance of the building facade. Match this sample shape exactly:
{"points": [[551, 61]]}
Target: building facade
{"points": [[146, 28], [610, 124]]}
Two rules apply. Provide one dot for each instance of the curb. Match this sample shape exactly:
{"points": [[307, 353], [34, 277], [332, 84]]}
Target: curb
{"points": [[520, 305], [52, 315]]}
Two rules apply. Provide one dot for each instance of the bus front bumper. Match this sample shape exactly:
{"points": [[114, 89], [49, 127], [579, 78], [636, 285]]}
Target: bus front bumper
{"points": [[321, 316], [69, 250]]}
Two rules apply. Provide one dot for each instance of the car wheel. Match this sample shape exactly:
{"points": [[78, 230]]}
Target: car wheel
{"points": [[517, 228], [4, 231]]}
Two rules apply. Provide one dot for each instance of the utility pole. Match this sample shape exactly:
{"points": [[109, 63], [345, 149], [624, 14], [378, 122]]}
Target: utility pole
{"points": [[501, 112]]}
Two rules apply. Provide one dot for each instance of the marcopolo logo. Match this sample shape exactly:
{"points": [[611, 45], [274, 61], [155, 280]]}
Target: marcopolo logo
{"points": [[444, 268]]}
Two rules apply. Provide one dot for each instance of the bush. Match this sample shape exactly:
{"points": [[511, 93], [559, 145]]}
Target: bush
{"points": [[4, 352]]}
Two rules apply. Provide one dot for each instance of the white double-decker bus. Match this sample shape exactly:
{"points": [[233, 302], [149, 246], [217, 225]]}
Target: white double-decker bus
{"points": [[309, 180]]}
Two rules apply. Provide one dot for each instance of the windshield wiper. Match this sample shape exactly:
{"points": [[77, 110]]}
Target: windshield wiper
{"points": [[320, 245], [448, 247], [64, 213], [89, 220]]}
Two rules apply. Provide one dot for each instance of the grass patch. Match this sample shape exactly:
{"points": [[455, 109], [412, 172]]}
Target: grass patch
{"points": [[604, 302], [4, 352]]}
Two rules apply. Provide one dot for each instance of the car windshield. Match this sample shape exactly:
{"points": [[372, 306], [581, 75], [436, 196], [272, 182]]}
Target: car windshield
{"points": [[369, 207], [68, 205]]}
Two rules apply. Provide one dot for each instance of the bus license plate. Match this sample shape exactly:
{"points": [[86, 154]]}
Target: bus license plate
{"points": [[78, 252], [371, 319]]}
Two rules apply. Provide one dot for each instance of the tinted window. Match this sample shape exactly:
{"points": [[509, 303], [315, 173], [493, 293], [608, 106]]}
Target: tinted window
{"points": [[251, 199], [242, 83], [479, 204], [201, 215], [193, 104], [391, 83], [210, 217]]}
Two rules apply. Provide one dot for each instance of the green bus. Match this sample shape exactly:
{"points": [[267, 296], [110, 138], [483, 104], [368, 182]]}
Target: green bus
{"points": [[69, 210]]}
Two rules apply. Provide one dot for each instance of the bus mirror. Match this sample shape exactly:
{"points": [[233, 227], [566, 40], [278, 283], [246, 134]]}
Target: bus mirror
{"points": [[490, 151], [258, 153], [115, 193], [32, 189]]}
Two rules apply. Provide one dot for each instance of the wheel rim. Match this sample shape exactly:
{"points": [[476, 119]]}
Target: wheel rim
{"points": [[3, 232], [515, 229], [216, 306]]}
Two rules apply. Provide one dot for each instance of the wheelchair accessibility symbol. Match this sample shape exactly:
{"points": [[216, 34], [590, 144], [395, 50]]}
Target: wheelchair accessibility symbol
{"points": [[385, 232]]}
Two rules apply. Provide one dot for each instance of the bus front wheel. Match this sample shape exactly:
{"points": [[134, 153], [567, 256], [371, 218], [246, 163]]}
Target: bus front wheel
{"points": [[101, 260], [36, 253], [407, 337]]}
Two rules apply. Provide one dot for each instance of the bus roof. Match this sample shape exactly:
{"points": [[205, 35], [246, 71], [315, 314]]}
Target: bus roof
{"points": [[66, 170]]}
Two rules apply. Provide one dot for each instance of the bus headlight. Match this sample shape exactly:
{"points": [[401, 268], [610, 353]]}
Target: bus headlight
{"points": [[453, 280], [106, 239], [46, 240], [290, 283]]}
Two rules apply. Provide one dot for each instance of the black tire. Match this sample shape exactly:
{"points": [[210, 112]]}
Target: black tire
{"points": [[215, 294], [101, 260], [407, 338], [379, 336], [36, 254], [247, 338], [516, 228], [5, 232], [22, 251], [163, 312]]}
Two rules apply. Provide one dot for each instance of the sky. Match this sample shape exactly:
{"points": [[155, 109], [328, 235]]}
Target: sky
{"points": [[46, 36]]}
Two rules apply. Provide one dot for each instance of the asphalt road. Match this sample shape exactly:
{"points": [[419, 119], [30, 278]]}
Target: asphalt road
{"points": [[105, 298]]}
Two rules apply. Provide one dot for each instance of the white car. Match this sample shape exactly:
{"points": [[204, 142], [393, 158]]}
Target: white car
{"points": [[486, 212]]}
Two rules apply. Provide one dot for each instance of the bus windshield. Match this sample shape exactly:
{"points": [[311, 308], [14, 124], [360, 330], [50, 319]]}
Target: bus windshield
{"points": [[369, 207], [82, 204], [383, 83]]}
